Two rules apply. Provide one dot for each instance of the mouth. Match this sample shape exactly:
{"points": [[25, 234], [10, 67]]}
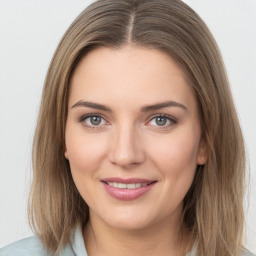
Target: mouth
{"points": [[129, 185], [127, 189]]}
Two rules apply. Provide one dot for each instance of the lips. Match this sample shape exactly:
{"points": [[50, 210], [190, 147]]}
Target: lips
{"points": [[127, 189], [126, 186]]}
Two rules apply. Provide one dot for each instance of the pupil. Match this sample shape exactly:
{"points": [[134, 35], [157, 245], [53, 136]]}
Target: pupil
{"points": [[161, 121], [95, 120]]}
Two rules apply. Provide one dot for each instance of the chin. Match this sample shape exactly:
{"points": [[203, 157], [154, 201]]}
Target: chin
{"points": [[129, 224], [128, 219]]}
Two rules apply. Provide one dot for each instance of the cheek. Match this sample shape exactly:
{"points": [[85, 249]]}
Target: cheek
{"points": [[83, 152], [175, 156], [176, 152], [85, 155]]}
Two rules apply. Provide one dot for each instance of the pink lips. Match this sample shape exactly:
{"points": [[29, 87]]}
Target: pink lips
{"points": [[127, 194]]}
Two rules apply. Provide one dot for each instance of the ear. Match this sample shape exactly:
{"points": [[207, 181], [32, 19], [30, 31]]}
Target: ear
{"points": [[202, 156], [66, 153]]}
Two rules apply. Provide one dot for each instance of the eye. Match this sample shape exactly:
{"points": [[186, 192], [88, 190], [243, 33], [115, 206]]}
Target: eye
{"points": [[162, 121], [93, 121]]}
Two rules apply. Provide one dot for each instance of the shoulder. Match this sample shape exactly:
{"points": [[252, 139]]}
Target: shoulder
{"points": [[245, 252], [25, 247], [32, 246]]}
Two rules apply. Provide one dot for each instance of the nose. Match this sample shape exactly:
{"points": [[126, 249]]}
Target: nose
{"points": [[126, 147]]}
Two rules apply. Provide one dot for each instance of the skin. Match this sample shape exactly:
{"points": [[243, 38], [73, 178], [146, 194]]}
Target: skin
{"points": [[129, 143]]}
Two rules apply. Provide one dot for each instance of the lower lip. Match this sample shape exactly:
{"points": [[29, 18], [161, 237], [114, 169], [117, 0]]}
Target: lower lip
{"points": [[127, 194]]}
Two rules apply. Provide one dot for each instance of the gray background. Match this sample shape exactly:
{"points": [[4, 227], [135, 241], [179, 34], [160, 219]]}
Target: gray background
{"points": [[29, 33]]}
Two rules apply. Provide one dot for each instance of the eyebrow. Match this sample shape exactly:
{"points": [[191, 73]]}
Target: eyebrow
{"points": [[91, 105], [163, 105], [146, 108]]}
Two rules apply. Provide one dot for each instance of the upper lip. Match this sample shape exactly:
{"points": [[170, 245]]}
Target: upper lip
{"points": [[127, 180]]}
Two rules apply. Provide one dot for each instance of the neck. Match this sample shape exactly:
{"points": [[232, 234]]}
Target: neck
{"points": [[162, 238]]}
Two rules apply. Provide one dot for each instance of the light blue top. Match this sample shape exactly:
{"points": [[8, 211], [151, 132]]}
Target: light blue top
{"points": [[32, 246]]}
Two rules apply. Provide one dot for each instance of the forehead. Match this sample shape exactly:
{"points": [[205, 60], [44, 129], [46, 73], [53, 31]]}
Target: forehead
{"points": [[128, 74]]}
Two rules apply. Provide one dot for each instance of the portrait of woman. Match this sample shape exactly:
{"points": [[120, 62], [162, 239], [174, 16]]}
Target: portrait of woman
{"points": [[138, 148]]}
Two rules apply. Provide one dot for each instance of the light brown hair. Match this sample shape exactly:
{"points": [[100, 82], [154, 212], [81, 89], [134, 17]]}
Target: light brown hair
{"points": [[213, 207]]}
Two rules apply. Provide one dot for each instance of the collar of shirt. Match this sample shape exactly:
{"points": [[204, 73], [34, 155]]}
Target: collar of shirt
{"points": [[78, 246]]}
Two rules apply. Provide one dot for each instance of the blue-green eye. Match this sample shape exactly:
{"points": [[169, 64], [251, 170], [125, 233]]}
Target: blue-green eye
{"points": [[93, 120], [162, 121]]}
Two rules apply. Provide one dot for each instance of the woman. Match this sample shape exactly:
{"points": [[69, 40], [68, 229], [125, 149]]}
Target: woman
{"points": [[138, 149]]}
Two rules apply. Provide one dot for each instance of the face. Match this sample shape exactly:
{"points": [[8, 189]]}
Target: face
{"points": [[133, 137]]}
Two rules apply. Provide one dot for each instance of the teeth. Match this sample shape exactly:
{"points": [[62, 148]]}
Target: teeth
{"points": [[131, 186], [137, 185], [121, 185], [127, 186]]}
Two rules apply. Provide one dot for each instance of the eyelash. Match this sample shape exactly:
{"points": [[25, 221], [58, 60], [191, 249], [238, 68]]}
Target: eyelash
{"points": [[169, 118]]}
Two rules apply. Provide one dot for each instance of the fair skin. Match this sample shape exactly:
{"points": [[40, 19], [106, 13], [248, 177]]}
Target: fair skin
{"points": [[125, 138]]}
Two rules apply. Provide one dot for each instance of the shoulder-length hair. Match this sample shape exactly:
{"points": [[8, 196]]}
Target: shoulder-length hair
{"points": [[213, 207]]}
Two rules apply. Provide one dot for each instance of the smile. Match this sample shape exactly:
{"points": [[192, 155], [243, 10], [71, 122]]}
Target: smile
{"points": [[126, 186], [127, 189]]}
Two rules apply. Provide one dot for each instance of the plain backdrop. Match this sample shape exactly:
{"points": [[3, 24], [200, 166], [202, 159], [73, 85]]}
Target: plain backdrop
{"points": [[29, 33]]}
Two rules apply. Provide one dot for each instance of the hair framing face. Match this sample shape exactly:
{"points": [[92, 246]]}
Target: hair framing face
{"points": [[213, 208]]}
